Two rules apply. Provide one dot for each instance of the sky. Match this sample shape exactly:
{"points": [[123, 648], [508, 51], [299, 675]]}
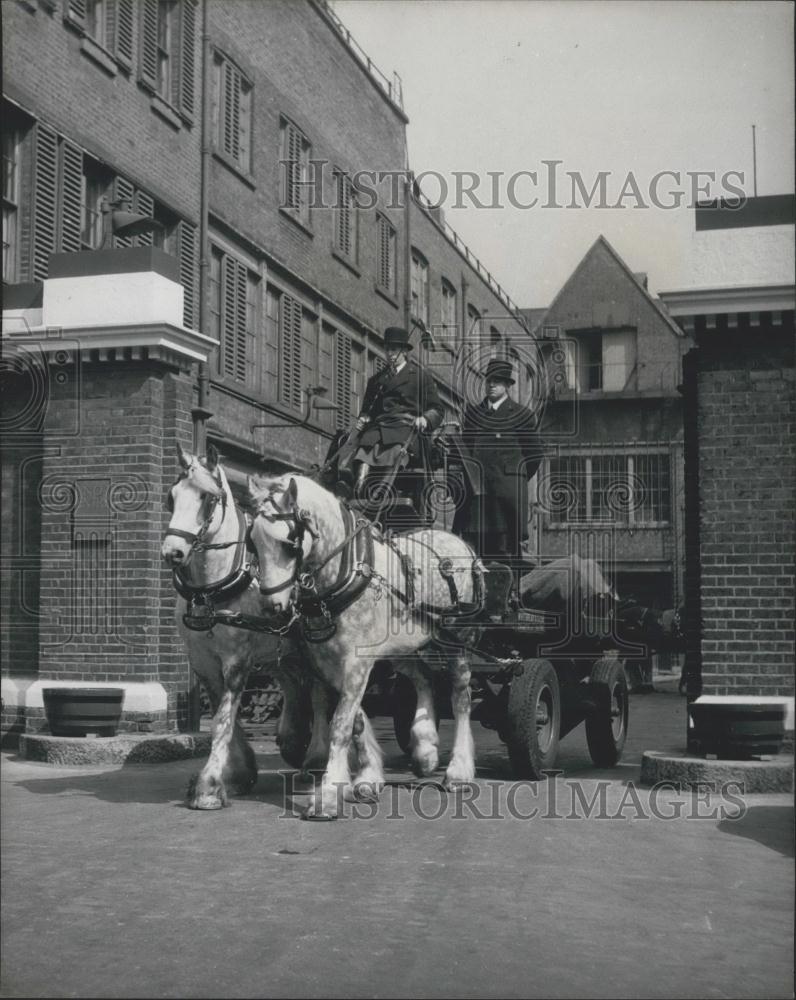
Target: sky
{"points": [[619, 87]]}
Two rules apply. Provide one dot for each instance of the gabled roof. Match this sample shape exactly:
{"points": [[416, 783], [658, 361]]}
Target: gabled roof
{"points": [[656, 304]]}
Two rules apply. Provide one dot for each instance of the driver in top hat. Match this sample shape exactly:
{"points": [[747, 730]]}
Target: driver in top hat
{"points": [[397, 399], [501, 438]]}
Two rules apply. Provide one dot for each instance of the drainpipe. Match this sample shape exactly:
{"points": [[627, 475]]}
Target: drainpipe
{"points": [[408, 250], [200, 413]]}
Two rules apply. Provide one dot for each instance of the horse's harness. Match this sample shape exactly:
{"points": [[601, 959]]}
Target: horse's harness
{"points": [[201, 595], [314, 611]]}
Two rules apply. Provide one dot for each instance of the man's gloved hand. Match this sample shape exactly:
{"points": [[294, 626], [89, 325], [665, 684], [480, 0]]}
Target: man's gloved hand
{"points": [[362, 423], [421, 423]]}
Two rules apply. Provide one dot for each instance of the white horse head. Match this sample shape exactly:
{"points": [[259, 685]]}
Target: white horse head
{"points": [[198, 502], [282, 535]]}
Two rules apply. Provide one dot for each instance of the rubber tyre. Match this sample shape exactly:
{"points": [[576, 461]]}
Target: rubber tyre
{"points": [[534, 720], [606, 729]]}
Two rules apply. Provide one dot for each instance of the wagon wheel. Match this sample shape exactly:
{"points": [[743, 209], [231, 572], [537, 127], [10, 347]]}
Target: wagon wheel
{"points": [[534, 720], [606, 728]]}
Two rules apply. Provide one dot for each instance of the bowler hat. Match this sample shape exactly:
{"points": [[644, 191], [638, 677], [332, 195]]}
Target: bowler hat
{"points": [[396, 338], [499, 370]]}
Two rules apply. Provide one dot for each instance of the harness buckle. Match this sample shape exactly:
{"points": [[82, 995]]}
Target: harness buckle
{"points": [[364, 569]]}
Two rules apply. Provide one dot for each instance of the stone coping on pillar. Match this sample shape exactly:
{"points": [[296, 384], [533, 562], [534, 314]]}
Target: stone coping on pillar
{"points": [[79, 751], [774, 774]]}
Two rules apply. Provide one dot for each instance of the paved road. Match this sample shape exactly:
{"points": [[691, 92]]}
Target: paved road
{"points": [[112, 888]]}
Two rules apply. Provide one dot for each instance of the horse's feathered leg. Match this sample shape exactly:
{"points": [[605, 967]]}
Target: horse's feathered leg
{"points": [[337, 777], [369, 779], [461, 768], [317, 756], [208, 791], [424, 739]]}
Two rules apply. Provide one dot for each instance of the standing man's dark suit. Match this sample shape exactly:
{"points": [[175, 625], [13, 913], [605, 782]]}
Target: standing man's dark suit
{"points": [[505, 448]]}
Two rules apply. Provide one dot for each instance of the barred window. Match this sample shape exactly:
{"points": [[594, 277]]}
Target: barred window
{"points": [[294, 157], [625, 489], [346, 223], [232, 106], [386, 277]]}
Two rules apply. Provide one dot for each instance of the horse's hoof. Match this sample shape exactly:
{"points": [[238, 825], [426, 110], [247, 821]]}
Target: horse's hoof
{"points": [[456, 784], [207, 803], [312, 816], [367, 791], [426, 763]]}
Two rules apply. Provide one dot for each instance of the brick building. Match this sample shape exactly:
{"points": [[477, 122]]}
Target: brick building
{"points": [[614, 427], [740, 406], [272, 153]]}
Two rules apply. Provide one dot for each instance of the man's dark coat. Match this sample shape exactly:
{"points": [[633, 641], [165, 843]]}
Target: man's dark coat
{"points": [[393, 401], [506, 450]]}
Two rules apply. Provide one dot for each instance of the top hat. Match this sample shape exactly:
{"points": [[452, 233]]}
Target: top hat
{"points": [[500, 371], [396, 338]]}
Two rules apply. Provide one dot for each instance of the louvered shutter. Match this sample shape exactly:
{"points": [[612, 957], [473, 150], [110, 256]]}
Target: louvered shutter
{"points": [[234, 326], [187, 59], [148, 44], [75, 12], [144, 205], [186, 239], [123, 193], [231, 111], [71, 187], [44, 201], [290, 351], [123, 34], [342, 380]]}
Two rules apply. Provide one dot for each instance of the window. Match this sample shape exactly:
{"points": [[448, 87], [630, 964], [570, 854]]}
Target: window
{"points": [[234, 291], [292, 335], [448, 316], [167, 52], [12, 140], [419, 287], [346, 222], [232, 113], [386, 276], [495, 342], [626, 489], [349, 378], [294, 158], [601, 360], [95, 188], [109, 23], [96, 21]]}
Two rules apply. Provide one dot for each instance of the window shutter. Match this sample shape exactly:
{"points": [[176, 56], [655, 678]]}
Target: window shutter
{"points": [[71, 197], [148, 66], [123, 31], [186, 238], [290, 351], [144, 205], [239, 356], [123, 192], [231, 111], [75, 13], [342, 380], [187, 59], [44, 201]]}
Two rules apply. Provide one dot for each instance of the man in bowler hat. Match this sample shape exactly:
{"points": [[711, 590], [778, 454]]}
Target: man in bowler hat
{"points": [[502, 442], [398, 399]]}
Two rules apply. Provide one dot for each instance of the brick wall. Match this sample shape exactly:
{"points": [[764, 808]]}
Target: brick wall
{"points": [[747, 457], [95, 483]]}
